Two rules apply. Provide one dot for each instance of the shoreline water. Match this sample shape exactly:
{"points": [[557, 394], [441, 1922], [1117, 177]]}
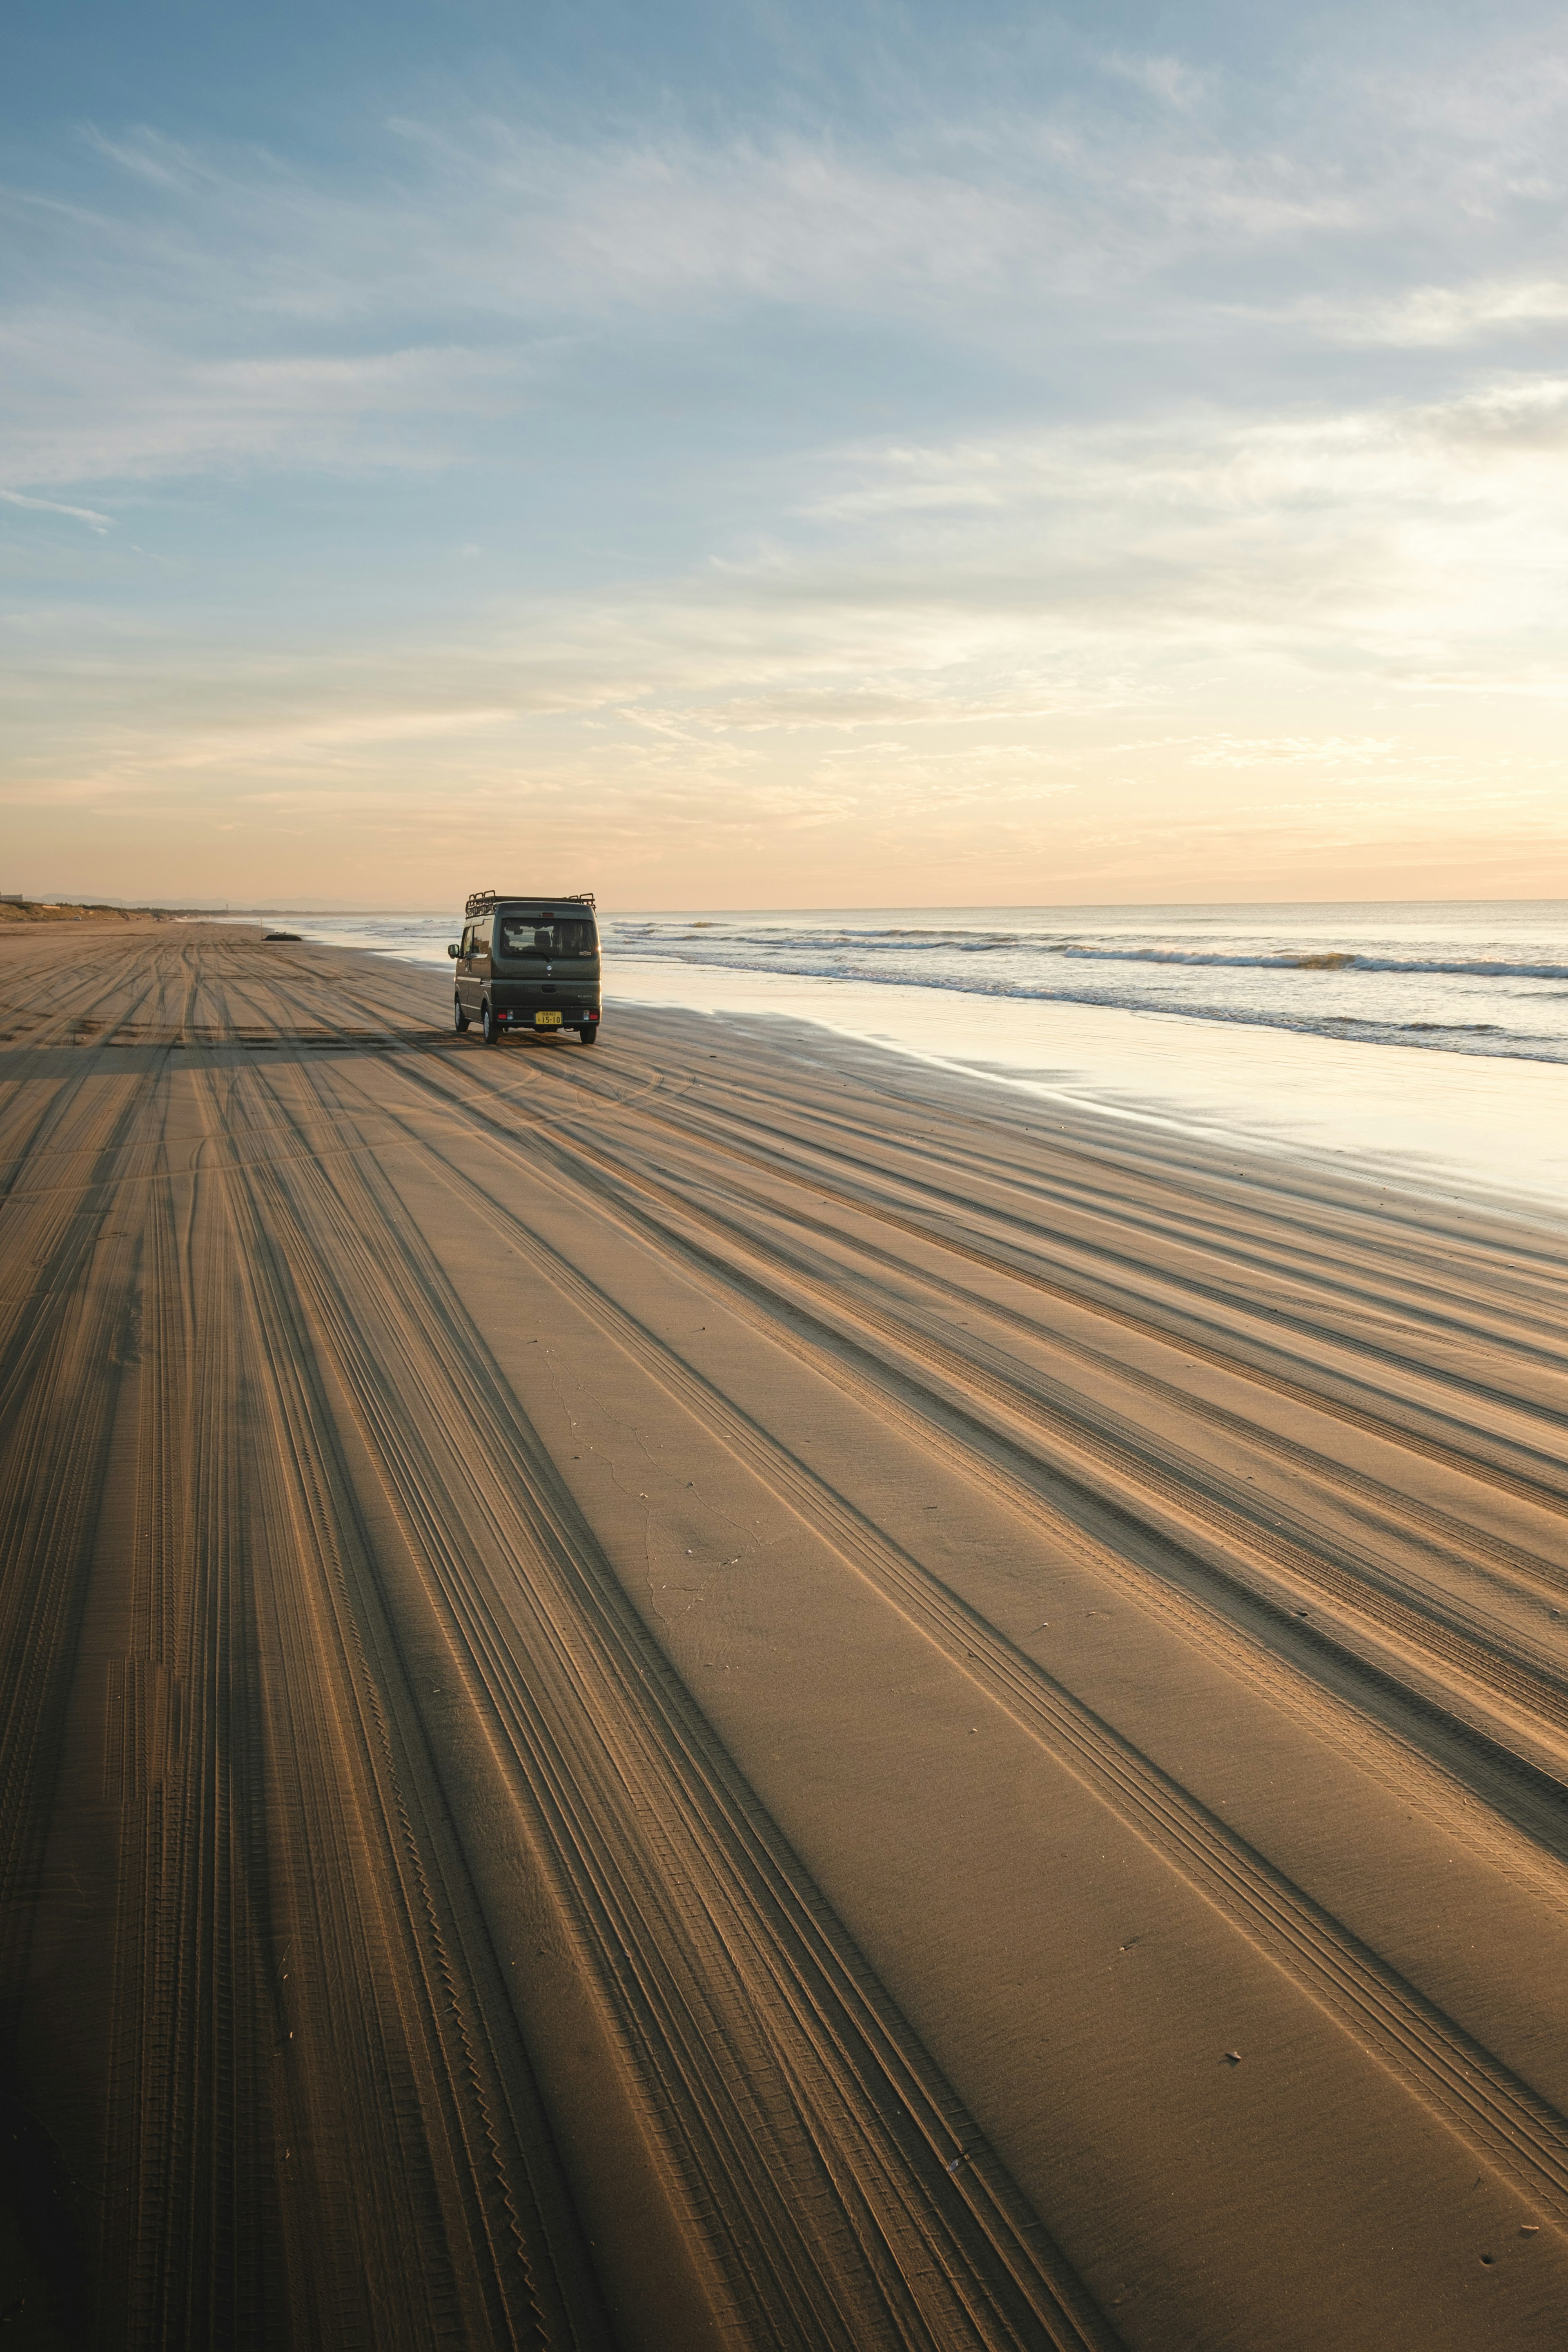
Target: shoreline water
{"points": [[1441, 1124]]}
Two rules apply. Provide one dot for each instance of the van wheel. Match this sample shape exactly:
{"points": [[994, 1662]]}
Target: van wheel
{"points": [[488, 1024], [589, 1032], [459, 1018]]}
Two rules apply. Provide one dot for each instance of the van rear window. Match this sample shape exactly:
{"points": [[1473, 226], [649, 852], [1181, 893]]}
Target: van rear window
{"points": [[528, 935]]}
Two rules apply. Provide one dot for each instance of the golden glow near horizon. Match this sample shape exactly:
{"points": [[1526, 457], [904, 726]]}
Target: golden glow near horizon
{"points": [[1038, 470]]}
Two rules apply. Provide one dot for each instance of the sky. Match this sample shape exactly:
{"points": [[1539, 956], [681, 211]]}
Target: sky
{"points": [[758, 455]]}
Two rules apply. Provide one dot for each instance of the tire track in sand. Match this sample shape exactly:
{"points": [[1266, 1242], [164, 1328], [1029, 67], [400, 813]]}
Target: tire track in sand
{"points": [[1497, 2114], [1099, 1224], [1169, 1499], [1185, 1336], [1429, 1519], [294, 2093], [787, 2084]]}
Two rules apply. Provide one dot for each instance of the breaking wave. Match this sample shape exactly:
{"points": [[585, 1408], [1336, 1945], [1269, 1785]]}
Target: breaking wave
{"points": [[1479, 980]]}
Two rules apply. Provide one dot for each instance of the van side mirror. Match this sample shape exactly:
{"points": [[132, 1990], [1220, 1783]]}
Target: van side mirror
{"points": [[451, 947]]}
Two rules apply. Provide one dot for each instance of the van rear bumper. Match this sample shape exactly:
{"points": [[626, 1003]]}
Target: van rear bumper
{"points": [[560, 1015]]}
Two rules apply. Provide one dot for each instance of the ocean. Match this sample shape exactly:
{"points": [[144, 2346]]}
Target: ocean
{"points": [[1427, 1039], [1482, 979]]}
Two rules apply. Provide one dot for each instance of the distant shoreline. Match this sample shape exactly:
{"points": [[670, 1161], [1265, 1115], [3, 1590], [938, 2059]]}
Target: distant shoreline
{"points": [[49, 910]]}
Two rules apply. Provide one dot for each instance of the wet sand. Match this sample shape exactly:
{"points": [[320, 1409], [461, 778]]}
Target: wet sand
{"points": [[729, 1691]]}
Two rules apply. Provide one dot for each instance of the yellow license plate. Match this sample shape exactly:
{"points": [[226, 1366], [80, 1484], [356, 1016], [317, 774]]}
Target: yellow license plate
{"points": [[547, 1021]]}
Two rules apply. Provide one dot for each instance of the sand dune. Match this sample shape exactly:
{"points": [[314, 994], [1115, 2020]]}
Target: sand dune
{"points": [[727, 1692]]}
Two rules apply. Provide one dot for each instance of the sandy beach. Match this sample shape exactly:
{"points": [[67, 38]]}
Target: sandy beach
{"points": [[734, 1692]]}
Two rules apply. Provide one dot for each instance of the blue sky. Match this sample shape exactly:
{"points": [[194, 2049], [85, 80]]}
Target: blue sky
{"points": [[763, 454]]}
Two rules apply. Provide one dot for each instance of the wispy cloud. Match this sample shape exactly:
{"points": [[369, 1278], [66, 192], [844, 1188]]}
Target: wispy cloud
{"points": [[89, 515], [93, 399], [1172, 80], [1436, 318]]}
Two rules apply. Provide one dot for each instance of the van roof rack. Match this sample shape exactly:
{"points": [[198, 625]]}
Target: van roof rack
{"points": [[479, 901]]}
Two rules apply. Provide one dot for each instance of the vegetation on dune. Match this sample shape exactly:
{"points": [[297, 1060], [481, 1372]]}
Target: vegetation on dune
{"points": [[37, 910]]}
